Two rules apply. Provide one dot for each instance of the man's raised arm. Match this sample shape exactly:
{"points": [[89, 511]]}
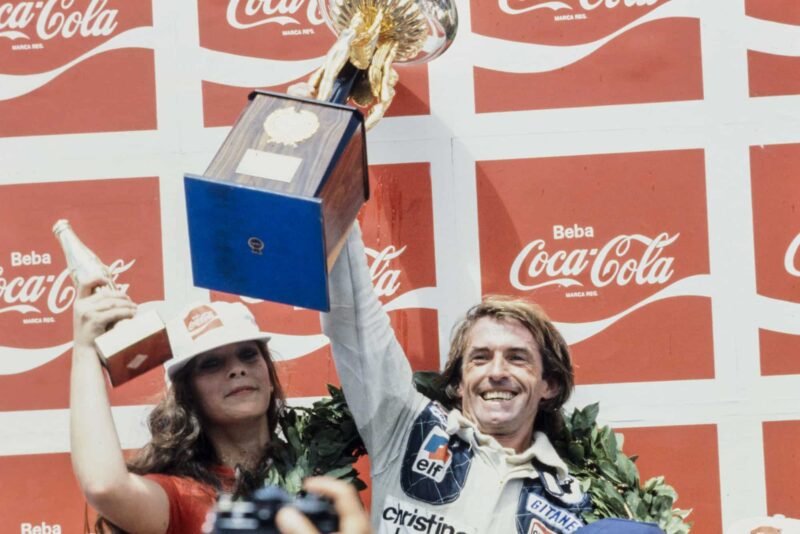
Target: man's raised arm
{"points": [[375, 374]]}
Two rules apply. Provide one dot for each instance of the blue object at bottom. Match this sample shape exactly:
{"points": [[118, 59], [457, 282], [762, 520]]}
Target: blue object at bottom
{"points": [[257, 243], [619, 526]]}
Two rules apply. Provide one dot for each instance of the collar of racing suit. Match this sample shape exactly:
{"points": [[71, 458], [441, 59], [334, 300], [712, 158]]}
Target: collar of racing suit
{"points": [[541, 448]]}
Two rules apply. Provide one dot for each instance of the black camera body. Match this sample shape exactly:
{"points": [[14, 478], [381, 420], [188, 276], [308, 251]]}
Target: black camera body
{"points": [[257, 516]]}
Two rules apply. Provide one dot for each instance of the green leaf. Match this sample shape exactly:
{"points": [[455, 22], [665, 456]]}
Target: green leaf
{"points": [[591, 413], [576, 452]]}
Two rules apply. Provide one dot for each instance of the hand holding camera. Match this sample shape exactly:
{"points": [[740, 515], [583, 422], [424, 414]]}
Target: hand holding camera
{"points": [[329, 506]]}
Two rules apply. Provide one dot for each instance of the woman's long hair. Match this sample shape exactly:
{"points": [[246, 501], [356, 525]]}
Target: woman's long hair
{"points": [[179, 446]]}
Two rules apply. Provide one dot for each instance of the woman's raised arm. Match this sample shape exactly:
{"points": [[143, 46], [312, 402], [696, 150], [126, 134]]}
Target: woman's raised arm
{"points": [[133, 503]]}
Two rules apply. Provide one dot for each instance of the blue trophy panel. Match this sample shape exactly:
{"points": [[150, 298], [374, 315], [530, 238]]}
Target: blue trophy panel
{"points": [[257, 243]]}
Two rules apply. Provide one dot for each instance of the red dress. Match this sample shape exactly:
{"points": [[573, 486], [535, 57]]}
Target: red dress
{"points": [[190, 500]]}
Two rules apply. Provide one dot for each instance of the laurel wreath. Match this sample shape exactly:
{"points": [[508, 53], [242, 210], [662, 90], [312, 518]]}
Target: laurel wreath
{"points": [[323, 440]]}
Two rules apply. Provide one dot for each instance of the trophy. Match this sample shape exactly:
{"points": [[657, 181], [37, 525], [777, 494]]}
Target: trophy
{"points": [[270, 214], [130, 347]]}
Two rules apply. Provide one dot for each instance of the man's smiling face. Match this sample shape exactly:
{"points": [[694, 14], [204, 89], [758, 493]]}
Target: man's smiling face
{"points": [[502, 383]]}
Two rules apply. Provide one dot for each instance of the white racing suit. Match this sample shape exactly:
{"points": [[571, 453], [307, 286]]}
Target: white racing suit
{"points": [[432, 471]]}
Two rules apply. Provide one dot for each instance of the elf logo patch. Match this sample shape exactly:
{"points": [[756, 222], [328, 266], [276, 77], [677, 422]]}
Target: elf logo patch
{"points": [[538, 528], [434, 457]]}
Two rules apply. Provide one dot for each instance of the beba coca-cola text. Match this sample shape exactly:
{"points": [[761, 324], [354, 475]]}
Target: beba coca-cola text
{"points": [[39, 528], [606, 265], [572, 232], [56, 18], [32, 258], [20, 293]]}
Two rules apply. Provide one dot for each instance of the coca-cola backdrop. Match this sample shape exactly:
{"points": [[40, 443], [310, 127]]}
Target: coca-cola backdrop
{"points": [[631, 165]]}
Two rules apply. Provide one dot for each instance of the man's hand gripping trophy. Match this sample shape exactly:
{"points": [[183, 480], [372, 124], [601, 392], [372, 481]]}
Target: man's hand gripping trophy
{"points": [[374, 35]]}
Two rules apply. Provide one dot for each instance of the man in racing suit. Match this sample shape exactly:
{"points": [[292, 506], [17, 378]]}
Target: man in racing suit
{"points": [[483, 468]]}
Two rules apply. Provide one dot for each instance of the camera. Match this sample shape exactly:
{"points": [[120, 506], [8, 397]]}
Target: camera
{"points": [[258, 514]]}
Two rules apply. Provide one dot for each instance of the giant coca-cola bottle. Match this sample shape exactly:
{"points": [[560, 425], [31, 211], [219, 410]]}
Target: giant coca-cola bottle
{"points": [[130, 347]]}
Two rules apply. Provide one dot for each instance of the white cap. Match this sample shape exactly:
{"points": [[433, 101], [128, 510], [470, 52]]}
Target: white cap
{"points": [[199, 328]]}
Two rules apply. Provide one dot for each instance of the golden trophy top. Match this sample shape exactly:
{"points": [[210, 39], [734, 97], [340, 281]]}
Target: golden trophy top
{"points": [[372, 36], [422, 29]]}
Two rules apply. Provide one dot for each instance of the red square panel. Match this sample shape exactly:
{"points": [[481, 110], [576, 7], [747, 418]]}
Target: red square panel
{"points": [[773, 74], [780, 353], [782, 465], [776, 231], [688, 458], [577, 53], [397, 223], [76, 67], [40, 491], [776, 202], [614, 247], [783, 11], [36, 293]]}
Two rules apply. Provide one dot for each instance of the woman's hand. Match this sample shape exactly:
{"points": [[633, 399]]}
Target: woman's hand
{"points": [[96, 307]]}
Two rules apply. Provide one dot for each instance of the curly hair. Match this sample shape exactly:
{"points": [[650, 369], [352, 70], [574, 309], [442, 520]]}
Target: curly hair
{"points": [[179, 446], [556, 361]]}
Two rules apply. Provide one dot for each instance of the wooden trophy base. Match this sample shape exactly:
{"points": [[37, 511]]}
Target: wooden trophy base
{"points": [[268, 217], [133, 346]]}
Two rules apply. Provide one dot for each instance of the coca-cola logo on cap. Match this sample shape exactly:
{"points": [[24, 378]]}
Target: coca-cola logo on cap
{"points": [[56, 50], [36, 292], [397, 224], [272, 44], [773, 64], [616, 251], [200, 320], [584, 53]]}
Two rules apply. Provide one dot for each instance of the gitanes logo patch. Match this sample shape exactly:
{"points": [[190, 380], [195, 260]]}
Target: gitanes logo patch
{"points": [[434, 456], [554, 516], [403, 517]]}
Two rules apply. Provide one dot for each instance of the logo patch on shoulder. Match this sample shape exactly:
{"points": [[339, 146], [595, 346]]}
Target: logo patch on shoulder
{"points": [[551, 514], [435, 464], [538, 528], [438, 411], [434, 456]]}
